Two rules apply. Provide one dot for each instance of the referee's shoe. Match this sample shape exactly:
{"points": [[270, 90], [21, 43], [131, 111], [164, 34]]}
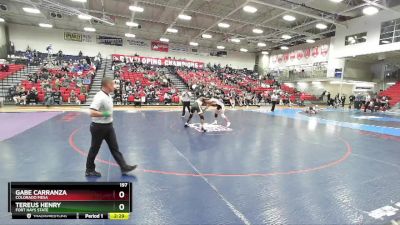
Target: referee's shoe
{"points": [[124, 171], [128, 169]]}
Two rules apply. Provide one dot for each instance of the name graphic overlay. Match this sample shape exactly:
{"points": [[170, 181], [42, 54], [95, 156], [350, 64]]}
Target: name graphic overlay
{"points": [[73, 200]]}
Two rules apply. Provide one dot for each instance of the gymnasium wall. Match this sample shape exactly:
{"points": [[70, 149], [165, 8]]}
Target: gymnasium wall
{"points": [[3, 41], [316, 88], [356, 70], [39, 38], [369, 24]]}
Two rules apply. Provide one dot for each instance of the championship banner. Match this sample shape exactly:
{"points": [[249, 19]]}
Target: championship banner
{"points": [[69, 36], [107, 40], [158, 61], [301, 56], [159, 46]]}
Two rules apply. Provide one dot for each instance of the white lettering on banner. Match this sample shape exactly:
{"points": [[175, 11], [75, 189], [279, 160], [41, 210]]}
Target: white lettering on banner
{"points": [[158, 61], [304, 56]]}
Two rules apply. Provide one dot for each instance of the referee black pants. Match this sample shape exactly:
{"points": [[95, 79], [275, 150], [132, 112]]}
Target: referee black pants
{"points": [[273, 106], [185, 105], [99, 133]]}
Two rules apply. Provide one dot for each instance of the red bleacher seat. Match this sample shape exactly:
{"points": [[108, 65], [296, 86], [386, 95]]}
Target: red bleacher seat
{"points": [[393, 92], [12, 69], [41, 97], [82, 98]]}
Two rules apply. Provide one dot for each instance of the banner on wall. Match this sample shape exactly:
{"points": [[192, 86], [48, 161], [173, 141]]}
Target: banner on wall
{"points": [[86, 38], [301, 56], [69, 36], [107, 40], [79, 37], [138, 42], [159, 46], [178, 48], [158, 61]]}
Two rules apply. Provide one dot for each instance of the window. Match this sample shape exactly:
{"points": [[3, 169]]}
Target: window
{"points": [[356, 38], [390, 32]]}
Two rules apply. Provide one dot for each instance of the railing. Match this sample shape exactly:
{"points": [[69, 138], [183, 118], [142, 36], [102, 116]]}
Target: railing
{"points": [[105, 67], [296, 76]]}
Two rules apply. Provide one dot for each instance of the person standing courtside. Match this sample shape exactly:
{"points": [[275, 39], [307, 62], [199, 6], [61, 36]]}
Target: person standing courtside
{"points": [[101, 128], [185, 101], [274, 100]]}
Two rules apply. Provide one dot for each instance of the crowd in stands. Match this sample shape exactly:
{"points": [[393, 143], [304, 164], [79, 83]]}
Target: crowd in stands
{"points": [[239, 87], [145, 84], [67, 83], [139, 84]]}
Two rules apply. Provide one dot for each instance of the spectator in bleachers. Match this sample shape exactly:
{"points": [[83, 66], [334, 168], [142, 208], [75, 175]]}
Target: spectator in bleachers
{"points": [[48, 97], [83, 90], [73, 98], [124, 98], [32, 95], [58, 84], [20, 95], [167, 98], [57, 97], [12, 92], [4, 67]]}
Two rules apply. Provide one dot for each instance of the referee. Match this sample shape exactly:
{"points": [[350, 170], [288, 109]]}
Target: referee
{"points": [[185, 101], [101, 129]]}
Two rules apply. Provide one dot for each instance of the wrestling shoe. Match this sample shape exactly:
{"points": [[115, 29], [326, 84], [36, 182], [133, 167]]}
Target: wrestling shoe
{"points": [[215, 122], [128, 169], [186, 124], [203, 130], [228, 124], [92, 174]]}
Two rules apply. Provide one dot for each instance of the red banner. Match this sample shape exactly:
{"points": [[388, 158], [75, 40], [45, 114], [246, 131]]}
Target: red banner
{"points": [[158, 61], [159, 46]]}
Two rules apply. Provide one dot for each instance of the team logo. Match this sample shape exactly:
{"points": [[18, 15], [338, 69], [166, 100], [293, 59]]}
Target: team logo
{"points": [[210, 127], [28, 216]]}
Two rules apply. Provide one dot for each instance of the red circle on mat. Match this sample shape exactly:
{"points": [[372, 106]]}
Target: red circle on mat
{"points": [[175, 173]]}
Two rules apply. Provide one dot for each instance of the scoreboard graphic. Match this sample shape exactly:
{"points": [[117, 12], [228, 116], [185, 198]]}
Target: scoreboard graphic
{"points": [[72, 200]]}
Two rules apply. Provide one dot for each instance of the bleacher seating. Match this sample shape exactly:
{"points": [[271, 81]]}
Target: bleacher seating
{"points": [[393, 92], [65, 91], [13, 68], [139, 77], [244, 83]]}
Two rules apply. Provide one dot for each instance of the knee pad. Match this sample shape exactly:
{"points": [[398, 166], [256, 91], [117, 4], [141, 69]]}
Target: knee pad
{"points": [[201, 116], [216, 115]]}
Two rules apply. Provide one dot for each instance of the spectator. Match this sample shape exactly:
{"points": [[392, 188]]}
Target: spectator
{"points": [[351, 99], [343, 100], [73, 98], [48, 99], [4, 67], [167, 98], [32, 96], [20, 95], [57, 97]]}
